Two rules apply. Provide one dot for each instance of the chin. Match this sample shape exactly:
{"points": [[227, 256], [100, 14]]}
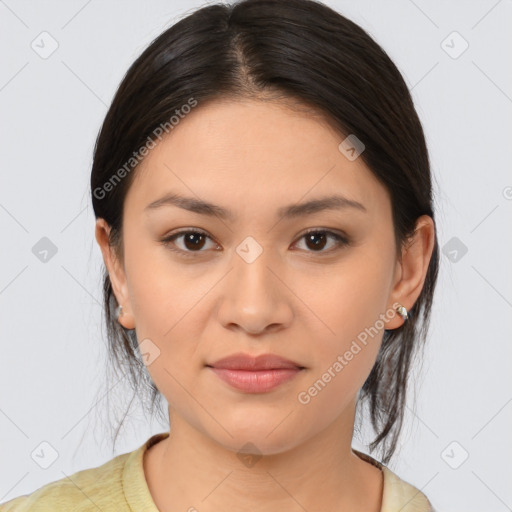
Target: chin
{"points": [[258, 441]]}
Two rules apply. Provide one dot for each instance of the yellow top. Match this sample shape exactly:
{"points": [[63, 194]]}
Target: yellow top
{"points": [[119, 485]]}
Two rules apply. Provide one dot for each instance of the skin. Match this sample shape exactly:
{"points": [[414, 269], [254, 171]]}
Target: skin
{"points": [[296, 301]]}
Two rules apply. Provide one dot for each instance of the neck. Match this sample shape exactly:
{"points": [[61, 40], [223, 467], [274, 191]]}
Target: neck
{"points": [[190, 471]]}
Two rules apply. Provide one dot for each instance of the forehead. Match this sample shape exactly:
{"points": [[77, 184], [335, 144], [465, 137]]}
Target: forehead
{"points": [[252, 153]]}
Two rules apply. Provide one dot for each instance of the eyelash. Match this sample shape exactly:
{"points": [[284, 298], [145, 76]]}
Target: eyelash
{"points": [[340, 239]]}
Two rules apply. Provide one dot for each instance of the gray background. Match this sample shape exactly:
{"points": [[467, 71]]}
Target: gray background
{"points": [[52, 387]]}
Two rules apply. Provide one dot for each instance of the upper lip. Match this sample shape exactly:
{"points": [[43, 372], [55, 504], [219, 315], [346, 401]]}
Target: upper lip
{"points": [[243, 361]]}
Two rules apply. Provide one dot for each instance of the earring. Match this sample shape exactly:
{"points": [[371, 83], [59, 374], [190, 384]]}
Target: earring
{"points": [[119, 312], [402, 312]]}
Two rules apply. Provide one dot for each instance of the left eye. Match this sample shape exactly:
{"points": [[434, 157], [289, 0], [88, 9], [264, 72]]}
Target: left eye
{"points": [[194, 240], [317, 239]]}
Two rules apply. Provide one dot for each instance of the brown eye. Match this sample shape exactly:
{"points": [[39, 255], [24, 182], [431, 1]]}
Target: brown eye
{"points": [[192, 241], [316, 240]]}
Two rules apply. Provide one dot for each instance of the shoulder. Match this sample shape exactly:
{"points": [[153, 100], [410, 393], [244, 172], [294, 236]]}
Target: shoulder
{"points": [[403, 496], [397, 494], [98, 488]]}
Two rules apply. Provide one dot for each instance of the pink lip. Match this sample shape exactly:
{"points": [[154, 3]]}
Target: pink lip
{"points": [[255, 374], [241, 361], [258, 381]]}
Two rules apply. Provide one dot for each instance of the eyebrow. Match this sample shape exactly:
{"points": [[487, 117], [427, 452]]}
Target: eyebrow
{"points": [[333, 202]]}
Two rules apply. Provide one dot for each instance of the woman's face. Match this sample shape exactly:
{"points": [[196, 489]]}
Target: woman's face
{"points": [[254, 283]]}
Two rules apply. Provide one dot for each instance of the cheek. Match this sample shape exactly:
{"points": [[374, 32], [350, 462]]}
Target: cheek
{"points": [[161, 291], [348, 302], [166, 303], [348, 298]]}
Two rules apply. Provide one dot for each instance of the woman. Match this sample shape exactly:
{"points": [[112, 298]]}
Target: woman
{"points": [[263, 199]]}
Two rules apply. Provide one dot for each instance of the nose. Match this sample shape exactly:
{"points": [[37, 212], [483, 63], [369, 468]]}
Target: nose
{"points": [[254, 297]]}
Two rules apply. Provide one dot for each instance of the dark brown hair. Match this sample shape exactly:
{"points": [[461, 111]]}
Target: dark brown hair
{"points": [[298, 50]]}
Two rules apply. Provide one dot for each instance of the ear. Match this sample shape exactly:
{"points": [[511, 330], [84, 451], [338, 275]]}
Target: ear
{"points": [[410, 274], [116, 273]]}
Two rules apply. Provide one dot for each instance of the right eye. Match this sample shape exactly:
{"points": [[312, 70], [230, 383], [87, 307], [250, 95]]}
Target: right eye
{"points": [[193, 241]]}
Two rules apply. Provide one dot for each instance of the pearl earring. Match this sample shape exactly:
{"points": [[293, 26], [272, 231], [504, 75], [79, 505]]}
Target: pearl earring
{"points": [[402, 312]]}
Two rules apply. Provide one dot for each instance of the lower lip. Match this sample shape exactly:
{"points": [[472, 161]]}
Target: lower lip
{"points": [[256, 381]]}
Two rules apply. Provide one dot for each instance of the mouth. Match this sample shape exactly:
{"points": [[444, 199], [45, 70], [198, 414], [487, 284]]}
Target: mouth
{"points": [[256, 381], [259, 374], [255, 369], [241, 361]]}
